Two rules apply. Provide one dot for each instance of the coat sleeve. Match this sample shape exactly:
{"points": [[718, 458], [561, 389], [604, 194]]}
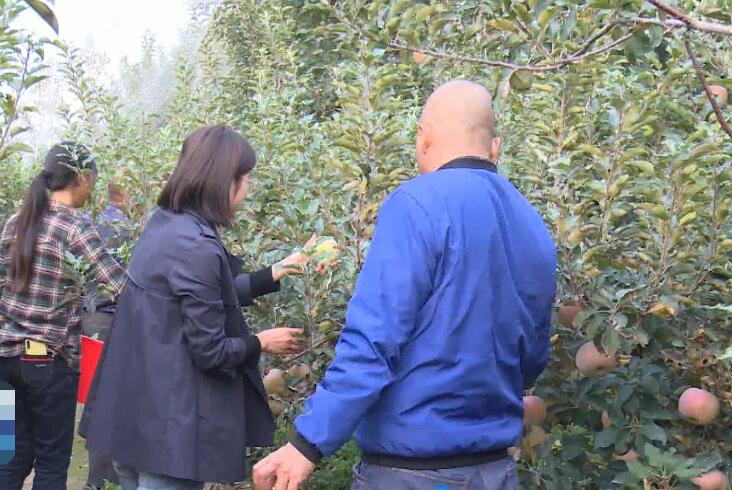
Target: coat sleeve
{"points": [[535, 354], [256, 284], [196, 280], [392, 288]]}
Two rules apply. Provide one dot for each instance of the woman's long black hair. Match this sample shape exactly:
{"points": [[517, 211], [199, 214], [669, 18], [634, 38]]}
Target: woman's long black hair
{"points": [[64, 163]]}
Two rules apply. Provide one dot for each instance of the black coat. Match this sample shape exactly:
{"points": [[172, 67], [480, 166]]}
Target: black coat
{"points": [[178, 391]]}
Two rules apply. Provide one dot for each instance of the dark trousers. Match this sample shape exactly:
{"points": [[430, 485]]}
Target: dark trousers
{"points": [[45, 406], [497, 475], [101, 468]]}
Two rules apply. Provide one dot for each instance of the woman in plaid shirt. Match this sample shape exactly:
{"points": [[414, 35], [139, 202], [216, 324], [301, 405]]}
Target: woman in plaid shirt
{"points": [[43, 250]]}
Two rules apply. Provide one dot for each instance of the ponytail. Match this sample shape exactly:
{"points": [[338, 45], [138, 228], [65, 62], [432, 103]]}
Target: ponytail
{"points": [[64, 163], [27, 228]]}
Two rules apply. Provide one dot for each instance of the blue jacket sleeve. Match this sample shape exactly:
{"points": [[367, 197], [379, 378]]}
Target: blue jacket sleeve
{"points": [[393, 286], [535, 345], [196, 280]]}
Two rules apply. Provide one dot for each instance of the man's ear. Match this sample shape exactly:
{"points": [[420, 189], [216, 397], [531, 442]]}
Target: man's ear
{"points": [[495, 149], [424, 139]]}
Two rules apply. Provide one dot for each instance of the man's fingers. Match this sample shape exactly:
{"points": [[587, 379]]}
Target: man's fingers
{"points": [[293, 485], [264, 483], [263, 475], [282, 482]]}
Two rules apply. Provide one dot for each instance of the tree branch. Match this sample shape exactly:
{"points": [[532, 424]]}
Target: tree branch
{"points": [[295, 357], [692, 23], [668, 23], [513, 66], [587, 44], [710, 95]]}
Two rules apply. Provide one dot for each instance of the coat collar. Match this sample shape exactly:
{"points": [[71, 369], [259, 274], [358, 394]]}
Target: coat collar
{"points": [[207, 229], [235, 263], [476, 163]]}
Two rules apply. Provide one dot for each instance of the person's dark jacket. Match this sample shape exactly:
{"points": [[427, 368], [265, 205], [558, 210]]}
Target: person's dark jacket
{"points": [[115, 230], [178, 391]]}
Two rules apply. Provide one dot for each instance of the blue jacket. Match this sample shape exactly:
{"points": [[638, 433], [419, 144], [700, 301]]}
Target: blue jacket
{"points": [[448, 324], [114, 229], [178, 391]]}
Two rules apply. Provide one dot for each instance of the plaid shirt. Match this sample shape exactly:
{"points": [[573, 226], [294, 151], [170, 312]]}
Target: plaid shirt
{"points": [[50, 309]]}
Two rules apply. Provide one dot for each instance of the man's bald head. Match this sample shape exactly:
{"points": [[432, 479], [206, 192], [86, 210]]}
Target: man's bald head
{"points": [[457, 120]]}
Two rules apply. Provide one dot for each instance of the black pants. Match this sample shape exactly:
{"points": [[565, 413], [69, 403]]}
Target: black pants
{"points": [[101, 468], [45, 406]]}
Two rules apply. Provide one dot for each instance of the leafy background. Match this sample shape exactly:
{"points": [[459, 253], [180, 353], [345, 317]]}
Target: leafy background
{"points": [[607, 130]]}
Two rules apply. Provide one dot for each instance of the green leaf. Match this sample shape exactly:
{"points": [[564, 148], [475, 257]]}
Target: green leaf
{"points": [[686, 470], [687, 218], [654, 432], [398, 7], [706, 462], [521, 80], [643, 166], [654, 455], [630, 118], [45, 12], [32, 80], [598, 187], [16, 147], [606, 437], [312, 207], [703, 149], [631, 154], [639, 470], [611, 341], [437, 25], [545, 17], [522, 12], [424, 13], [625, 392], [18, 130], [626, 478], [650, 384], [502, 25], [569, 24], [592, 150]]}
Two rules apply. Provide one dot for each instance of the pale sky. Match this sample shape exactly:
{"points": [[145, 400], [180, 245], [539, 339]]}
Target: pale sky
{"points": [[113, 27]]}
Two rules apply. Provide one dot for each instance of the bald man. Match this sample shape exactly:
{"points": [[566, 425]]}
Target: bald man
{"points": [[448, 324]]}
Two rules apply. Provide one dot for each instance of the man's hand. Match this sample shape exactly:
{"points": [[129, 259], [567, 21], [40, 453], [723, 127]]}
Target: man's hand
{"points": [[284, 469]]}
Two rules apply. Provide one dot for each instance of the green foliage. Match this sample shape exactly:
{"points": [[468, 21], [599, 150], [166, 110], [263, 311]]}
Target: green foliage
{"points": [[21, 68]]}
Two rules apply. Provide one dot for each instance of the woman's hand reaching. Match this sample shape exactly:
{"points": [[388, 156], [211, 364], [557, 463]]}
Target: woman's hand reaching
{"points": [[282, 340], [293, 264]]}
